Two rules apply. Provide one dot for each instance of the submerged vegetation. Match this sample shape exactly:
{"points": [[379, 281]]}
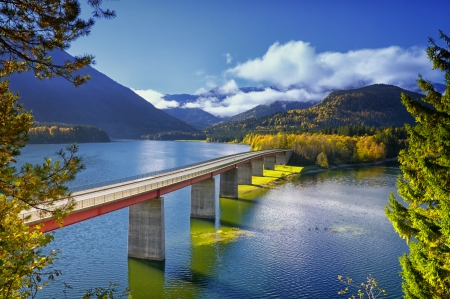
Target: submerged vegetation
{"points": [[225, 235]]}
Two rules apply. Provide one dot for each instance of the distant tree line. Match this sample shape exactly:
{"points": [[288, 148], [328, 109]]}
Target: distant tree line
{"points": [[175, 135], [65, 133], [328, 149]]}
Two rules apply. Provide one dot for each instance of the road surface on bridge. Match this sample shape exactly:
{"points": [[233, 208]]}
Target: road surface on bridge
{"points": [[98, 201]]}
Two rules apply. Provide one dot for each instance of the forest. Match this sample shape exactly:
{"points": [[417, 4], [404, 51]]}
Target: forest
{"points": [[377, 105], [175, 135], [330, 149], [65, 133]]}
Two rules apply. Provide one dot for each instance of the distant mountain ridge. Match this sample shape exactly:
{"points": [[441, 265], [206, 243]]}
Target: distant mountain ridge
{"points": [[265, 110], [257, 111], [198, 120], [377, 105], [195, 117], [101, 102]]}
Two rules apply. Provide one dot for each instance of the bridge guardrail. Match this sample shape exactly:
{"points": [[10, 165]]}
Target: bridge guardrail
{"points": [[34, 216], [142, 176]]}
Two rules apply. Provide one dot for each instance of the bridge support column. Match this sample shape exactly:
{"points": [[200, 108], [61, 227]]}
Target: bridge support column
{"points": [[203, 201], [288, 156], [280, 159], [245, 174], [146, 230], [258, 167], [269, 163], [229, 184]]}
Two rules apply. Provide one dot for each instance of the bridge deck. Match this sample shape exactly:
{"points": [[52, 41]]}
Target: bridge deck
{"points": [[94, 202]]}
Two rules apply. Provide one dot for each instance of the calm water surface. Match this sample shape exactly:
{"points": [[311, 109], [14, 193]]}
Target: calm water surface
{"points": [[287, 242]]}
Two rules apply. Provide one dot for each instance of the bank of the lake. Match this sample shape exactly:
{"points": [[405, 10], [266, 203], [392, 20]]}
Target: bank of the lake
{"points": [[287, 241], [282, 173]]}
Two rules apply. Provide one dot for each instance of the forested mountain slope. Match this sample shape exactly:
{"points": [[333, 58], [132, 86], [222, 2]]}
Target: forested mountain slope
{"points": [[101, 102], [265, 110], [376, 105], [195, 117]]}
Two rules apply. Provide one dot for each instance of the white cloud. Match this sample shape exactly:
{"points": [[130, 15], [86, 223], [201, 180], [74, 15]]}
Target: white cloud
{"points": [[229, 87], [211, 84], [156, 98], [240, 101], [296, 63], [200, 90], [228, 57], [302, 74]]}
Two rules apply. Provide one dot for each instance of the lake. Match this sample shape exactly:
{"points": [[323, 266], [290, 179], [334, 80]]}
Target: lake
{"points": [[291, 241]]}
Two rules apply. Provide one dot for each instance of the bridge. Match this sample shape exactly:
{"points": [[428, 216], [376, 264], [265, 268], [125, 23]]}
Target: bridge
{"points": [[146, 237]]}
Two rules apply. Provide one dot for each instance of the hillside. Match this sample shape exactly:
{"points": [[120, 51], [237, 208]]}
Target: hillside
{"points": [[200, 119], [377, 105], [195, 117], [265, 110], [101, 102]]}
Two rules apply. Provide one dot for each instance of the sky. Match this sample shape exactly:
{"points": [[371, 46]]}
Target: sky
{"points": [[304, 48]]}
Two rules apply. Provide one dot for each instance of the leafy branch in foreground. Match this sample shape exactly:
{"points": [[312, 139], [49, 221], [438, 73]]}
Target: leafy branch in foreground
{"points": [[370, 287], [106, 293]]}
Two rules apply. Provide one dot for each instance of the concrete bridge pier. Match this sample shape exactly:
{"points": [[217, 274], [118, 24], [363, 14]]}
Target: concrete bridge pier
{"points": [[258, 167], [229, 184], [245, 174], [288, 156], [146, 230], [280, 159], [269, 163], [203, 199]]}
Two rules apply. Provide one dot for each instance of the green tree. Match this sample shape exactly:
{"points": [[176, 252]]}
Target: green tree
{"points": [[29, 32], [424, 218]]}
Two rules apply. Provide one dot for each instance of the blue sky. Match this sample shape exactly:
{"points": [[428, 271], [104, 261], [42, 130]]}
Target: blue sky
{"points": [[167, 47]]}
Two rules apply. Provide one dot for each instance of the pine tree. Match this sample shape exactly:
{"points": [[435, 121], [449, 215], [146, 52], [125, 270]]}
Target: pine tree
{"points": [[29, 32], [424, 217]]}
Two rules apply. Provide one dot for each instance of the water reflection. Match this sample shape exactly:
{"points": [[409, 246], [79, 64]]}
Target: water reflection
{"points": [[290, 241], [287, 242], [146, 278]]}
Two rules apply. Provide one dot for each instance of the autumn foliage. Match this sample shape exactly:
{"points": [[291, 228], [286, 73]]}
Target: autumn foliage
{"points": [[322, 149]]}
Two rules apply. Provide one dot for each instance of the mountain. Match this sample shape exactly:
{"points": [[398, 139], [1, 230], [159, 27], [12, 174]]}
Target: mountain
{"points": [[195, 117], [101, 102], [376, 105], [264, 110], [199, 120], [217, 93]]}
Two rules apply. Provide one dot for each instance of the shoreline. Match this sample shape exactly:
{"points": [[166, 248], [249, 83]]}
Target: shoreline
{"points": [[286, 173], [337, 166]]}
